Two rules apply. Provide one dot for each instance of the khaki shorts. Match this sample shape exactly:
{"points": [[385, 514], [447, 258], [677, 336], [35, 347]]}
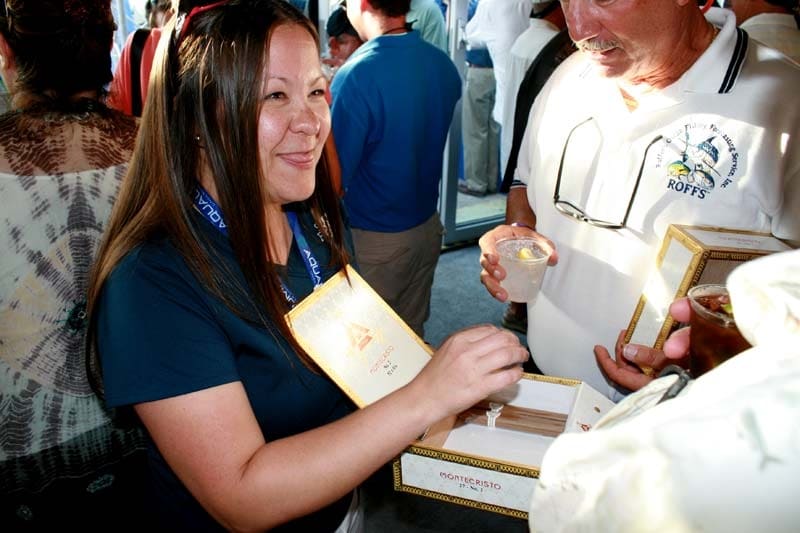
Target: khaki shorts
{"points": [[400, 267]]}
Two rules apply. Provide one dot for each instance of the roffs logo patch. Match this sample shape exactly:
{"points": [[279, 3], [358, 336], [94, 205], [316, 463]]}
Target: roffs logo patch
{"points": [[698, 158]]}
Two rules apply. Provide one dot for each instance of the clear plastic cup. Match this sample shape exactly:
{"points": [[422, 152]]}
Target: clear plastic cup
{"points": [[714, 336], [525, 261]]}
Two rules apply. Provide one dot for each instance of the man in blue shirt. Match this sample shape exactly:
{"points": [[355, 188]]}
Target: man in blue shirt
{"points": [[392, 105]]}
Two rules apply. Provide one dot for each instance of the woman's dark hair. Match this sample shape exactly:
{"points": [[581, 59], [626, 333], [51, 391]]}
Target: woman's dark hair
{"points": [[61, 47], [203, 104]]}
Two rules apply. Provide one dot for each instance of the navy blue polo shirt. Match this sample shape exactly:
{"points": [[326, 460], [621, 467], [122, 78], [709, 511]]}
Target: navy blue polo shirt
{"points": [[161, 334]]}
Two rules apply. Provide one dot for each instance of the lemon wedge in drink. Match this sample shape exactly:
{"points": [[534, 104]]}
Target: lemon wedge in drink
{"points": [[525, 253]]}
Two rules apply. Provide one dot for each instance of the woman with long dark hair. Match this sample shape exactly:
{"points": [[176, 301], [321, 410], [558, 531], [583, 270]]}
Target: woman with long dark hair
{"points": [[228, 191]]}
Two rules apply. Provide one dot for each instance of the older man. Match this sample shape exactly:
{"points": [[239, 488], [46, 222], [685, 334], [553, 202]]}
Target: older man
{"points": [[663, 117]]}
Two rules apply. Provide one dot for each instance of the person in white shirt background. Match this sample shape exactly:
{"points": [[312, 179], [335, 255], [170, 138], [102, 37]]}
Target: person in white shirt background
{"points": [[496, 25], [480, 132], [546, 19]]}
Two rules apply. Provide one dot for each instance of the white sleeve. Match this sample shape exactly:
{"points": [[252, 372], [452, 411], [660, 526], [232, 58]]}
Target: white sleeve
{"points": [[476, 29], [722, 456]]}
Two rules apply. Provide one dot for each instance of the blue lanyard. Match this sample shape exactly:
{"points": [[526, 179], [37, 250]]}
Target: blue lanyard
{"points": [[312, 265], [207, 207]]}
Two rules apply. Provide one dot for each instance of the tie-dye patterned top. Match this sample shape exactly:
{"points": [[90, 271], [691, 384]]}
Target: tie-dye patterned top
{"points": [[59, 176]]}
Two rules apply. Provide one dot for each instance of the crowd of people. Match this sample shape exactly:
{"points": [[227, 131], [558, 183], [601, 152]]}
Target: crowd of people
{"points": [[148, 372]]}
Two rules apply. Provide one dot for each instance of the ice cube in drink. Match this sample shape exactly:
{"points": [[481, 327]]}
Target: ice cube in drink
{"points": [[525, 262]]}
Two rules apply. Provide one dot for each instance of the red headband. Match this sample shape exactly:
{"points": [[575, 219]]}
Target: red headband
{"points": [[182, 23]]}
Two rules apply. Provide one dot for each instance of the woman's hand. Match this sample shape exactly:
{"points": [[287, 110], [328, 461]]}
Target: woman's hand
{"points": [[469, 366]]}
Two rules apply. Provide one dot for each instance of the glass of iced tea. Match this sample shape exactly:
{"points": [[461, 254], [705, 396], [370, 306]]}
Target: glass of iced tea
{"points": [[525, 261], [714, 336]]}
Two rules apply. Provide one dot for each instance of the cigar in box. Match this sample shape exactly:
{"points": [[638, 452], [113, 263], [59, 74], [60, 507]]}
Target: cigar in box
{"points": [[494, 414]]}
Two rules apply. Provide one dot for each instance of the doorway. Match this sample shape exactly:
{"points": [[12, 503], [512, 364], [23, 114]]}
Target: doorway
{"points": [[464, 217]]}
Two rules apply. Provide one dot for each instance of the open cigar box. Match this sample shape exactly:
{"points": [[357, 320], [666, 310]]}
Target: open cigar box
{"points": [[488, 457]]}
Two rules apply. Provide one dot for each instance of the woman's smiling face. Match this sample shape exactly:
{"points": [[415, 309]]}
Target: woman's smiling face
{"points": [[294, 120]]}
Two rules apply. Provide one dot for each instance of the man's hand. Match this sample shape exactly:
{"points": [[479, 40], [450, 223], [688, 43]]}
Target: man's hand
{"points": [[677, 345], [635, 365]]}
